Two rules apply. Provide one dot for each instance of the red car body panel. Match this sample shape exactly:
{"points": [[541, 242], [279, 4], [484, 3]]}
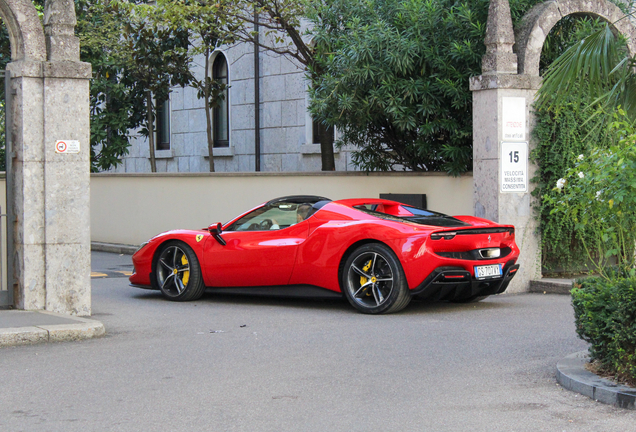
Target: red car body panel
{"points": [[311, 252]]}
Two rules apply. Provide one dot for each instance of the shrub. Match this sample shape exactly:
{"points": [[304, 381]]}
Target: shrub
{"points": [[597, 196], [605, 316]]}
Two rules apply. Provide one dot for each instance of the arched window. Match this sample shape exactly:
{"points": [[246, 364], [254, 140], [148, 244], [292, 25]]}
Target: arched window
{"points": [[220, 118]]}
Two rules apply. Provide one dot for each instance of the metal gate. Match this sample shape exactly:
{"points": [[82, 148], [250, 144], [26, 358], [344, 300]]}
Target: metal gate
{"points": [[6, 241]]}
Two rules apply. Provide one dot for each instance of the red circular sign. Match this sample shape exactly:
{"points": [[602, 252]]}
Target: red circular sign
{"points": [[61, 146]]}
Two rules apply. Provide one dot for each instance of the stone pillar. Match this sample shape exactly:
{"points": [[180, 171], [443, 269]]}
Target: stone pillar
{"points": [[499, 80], [51, 188]]}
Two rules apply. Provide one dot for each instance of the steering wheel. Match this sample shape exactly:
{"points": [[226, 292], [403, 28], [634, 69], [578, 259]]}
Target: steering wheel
{"points": [[265, 224]]}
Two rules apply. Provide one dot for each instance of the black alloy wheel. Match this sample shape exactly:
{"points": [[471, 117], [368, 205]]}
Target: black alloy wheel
{"points": [[373, 280], [177, 272]]}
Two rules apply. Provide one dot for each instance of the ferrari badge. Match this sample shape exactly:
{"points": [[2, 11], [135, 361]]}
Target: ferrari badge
{"points": [[199, 237]]}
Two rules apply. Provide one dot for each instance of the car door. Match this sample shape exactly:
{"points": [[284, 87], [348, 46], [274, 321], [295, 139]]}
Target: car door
{"points": [[253, 258]]}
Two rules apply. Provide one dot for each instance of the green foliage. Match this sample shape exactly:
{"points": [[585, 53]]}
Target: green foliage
{"points": [[116, 101], [210, 26], [598, 196], [605, 316], [392, 76], [563, 132], [596, 68]]}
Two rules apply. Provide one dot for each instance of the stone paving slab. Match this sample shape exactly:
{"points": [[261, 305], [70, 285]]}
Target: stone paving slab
{"points": [[572, 375], [29, 327]]}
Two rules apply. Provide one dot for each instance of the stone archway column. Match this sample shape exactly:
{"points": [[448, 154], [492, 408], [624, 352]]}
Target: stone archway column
{"points": [[491, 90], [489, 202], [51, 189]]}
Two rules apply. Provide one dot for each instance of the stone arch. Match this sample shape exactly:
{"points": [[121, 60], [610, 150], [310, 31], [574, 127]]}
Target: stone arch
{"points": [[49, 104], [538, 22], [25, 30]]}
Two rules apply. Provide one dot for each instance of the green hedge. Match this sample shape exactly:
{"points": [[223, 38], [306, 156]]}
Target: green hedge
{"points": [[605, 316]]}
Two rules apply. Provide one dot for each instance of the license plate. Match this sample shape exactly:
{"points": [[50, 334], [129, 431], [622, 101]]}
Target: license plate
{"points": [[488, 271]]}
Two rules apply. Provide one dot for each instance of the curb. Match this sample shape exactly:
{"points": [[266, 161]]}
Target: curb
{"points": [[572, 375], [551, 286], [114, 248], [83, 329]]}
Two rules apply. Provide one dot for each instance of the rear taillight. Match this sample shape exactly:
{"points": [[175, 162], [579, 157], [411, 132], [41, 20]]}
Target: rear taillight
{"points": [[443, 235]]}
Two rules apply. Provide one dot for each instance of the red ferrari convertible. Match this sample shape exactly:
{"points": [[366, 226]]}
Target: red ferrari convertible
{"points": [[378, 253]]}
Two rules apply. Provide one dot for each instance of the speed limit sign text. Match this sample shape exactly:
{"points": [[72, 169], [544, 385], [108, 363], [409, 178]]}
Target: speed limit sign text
{"points": [[514, 167]]}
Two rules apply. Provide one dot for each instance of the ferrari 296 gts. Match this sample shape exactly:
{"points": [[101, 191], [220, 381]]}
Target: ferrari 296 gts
{"points": [[377, 253]]}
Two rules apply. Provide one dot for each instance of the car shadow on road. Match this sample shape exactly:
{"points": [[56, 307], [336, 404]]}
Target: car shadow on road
{"points": [[428, 307], [416, 307]]}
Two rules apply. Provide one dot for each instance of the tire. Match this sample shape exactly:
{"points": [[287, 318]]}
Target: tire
{"points": [[373, 280], [473, 299], [177, 272]]}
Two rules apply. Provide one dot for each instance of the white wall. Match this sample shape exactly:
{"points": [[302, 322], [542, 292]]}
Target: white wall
{"points": [[131, 208]]}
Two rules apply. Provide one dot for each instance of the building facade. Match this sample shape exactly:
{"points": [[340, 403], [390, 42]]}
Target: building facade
{"points": [[288, 141]]}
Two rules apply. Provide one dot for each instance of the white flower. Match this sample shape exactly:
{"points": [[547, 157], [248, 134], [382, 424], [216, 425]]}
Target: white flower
{"points": [[598, 194], [560, 183], [581, 175], [580, 157]]}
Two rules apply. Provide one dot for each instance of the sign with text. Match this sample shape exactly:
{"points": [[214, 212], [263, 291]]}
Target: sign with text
{"points": [[514, 167], [514, 118], [67, 146]]}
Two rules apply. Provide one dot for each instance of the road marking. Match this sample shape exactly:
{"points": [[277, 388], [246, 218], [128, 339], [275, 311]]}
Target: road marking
{"points": [[97, 274]]}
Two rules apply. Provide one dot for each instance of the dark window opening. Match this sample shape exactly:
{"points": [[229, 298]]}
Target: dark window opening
{"points": [[220, 117], [319, 129], [162, 125]]}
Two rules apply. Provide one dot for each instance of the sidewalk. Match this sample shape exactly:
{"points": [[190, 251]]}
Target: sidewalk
{"points": [[19, 327]]}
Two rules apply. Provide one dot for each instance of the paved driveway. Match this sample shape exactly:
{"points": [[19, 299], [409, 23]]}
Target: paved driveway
{"points": [[245, 364]]}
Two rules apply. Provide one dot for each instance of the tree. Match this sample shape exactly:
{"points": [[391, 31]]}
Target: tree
{"points": [[286, 35], [394, 80], [208, 26], [160, 61], [598, 67], [116, 102]]}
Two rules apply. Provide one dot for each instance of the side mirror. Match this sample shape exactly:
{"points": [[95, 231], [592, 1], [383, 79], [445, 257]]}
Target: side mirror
{"points": [[216, 230]]}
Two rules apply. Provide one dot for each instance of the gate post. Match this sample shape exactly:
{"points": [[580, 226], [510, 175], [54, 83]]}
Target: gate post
{"points": [[51, 170], [502, 123]]}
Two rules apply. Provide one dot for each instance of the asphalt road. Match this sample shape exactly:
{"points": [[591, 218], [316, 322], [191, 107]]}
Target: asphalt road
{"points": [[227, 363]]}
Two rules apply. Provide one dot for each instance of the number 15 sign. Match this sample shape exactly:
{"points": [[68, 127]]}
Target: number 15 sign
{"points": [[514, 167]]}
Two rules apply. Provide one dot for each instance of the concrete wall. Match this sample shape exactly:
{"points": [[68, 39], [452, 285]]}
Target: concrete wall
{"points": [[131, 208]]}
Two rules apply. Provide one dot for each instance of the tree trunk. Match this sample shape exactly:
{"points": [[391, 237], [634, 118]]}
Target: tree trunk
{"points": [[151, 132], [326, 148], [208, 116]]}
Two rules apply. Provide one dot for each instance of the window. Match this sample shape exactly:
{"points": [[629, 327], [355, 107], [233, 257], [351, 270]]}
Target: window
{"points": [[274, 216], [318, 129], [220, 125], [162, 125]]}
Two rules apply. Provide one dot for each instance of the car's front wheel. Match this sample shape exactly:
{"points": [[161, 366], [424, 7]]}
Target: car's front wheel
{"points": [[177, 272], [373, 280]]}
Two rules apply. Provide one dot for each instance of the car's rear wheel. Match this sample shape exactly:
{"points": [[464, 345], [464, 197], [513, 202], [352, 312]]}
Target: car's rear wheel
{"points": [[177, 272], [373, 280]]}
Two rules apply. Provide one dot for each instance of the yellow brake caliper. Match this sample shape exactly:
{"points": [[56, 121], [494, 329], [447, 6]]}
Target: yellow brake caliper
{"points": [[364, 280], [186, 274]]}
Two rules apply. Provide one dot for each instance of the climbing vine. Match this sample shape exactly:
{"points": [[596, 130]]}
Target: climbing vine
{"points": [[562, 134]]}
